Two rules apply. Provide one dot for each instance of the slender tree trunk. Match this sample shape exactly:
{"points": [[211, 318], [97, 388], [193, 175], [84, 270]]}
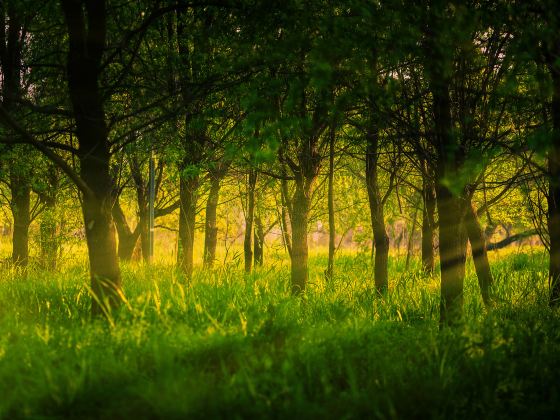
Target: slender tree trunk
{"points": [[211, 229], [188, 196], [428, 222], [380, 238], [20, 205], [249, 216], [554, 182], [300, 215], [330, 199], [479, 253], [259, 242], [87, 32], [410, 244], [49, 223], [284, 216], [48, 231], [143, 227]]}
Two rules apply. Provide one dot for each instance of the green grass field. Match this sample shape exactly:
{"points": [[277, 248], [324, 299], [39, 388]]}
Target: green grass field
{"points": [[237, 346]]}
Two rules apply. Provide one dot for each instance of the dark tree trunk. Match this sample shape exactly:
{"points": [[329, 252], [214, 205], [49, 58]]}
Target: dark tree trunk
{"points": [[380, 238], [299, 219], [20, 205], [188, 196], [259, 242], [451, 208], [86, 22], [249, 217], [554, 182], [428, 222], [127, 237], [479, 253], [330, 199], [450, 155], [20, 188], [210, 228]]}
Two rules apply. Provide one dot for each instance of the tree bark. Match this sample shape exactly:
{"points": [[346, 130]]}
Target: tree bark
{"points": [[410, 242], [49, 241], [554, 181], [330, 200], [450, 155], [380, 238], [210, 228], [479, 253], [86, 22], [49, 226], [127, 237], [453, 254], [300, 216], [428, 222], [259, 242], [188, 197], [142, 229], [451, 209], [249, 217], [20, 205], [20, 187], [285, 211]]}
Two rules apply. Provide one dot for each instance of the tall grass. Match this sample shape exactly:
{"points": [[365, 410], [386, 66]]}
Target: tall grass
{"points": [[227, 344]]}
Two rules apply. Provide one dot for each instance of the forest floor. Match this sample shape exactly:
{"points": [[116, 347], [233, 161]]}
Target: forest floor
{"points": [[234, 345]]}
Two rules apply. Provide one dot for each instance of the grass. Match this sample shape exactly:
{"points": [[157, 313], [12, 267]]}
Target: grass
{"points": [[234, 345]]}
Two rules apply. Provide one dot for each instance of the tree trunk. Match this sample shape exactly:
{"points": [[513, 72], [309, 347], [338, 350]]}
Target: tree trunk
{"points": [[127, 237], [428, 222], [142, 229], [554, 183], [48, 231], [210, 228], [450, 155], [49, 223], [86, 36], [20, 188], [453, 254], [284, 216], [300, 215], [410, 244], [102, 251], [259, 242], [249, 216], [188, 196], [330, 199], [451, 211], [479, 253], [380, 238], [20, 205]]}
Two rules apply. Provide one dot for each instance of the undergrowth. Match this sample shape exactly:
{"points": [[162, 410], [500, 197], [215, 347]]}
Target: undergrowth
{"points": [[227, 344]]}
